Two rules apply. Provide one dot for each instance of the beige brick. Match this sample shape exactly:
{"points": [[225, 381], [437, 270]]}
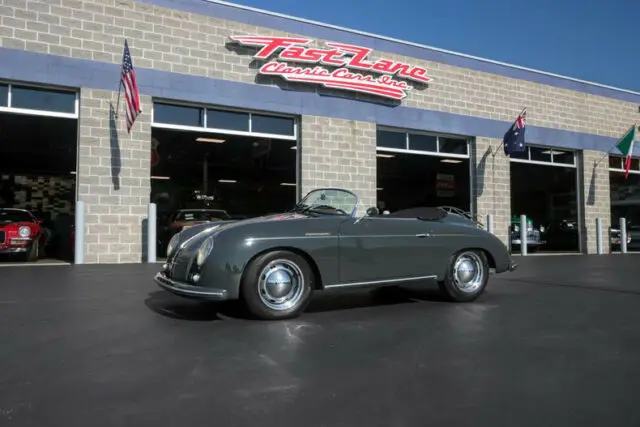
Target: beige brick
{"points": [[491, 190], [596, 199], [334, 152], [187, 43], [107, 199], [321, 157]]}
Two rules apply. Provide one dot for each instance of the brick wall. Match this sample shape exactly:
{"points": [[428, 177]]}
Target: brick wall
{"points": [[182, 42], [492, 186], [113, 179], [339, 153], [187, 43], [596, 199]]}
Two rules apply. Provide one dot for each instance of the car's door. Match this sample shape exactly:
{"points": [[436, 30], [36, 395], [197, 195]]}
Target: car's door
{"points": [[379, 248]]}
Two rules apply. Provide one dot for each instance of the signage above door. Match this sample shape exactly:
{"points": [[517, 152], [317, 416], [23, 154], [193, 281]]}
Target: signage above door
{"points": [[341, 66]]}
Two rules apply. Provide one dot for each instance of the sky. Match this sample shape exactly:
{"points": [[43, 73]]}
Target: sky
{"points": [[594, 40]]}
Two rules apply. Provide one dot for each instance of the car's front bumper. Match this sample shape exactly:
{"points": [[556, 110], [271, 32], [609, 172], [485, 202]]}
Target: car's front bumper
{"points": [[190, 291], [529, 242], [13, 249]]}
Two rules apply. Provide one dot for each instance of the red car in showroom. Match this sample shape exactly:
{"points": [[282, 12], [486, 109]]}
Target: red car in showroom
{"points": [[20, 234]]}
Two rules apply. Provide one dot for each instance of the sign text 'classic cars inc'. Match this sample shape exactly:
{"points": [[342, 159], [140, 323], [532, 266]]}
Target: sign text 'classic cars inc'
{"points": [[346, 60]]}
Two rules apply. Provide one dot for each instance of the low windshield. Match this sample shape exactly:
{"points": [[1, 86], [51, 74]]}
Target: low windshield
{"points": [[200, 216], [330, 201], [7, 216]]}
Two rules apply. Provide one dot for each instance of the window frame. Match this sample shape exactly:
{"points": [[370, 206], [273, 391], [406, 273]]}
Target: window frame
{"points": [[205, 129], [44, 113]]}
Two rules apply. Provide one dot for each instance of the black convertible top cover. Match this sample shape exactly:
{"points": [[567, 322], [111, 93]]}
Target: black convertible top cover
{"points": [[425, 213]]}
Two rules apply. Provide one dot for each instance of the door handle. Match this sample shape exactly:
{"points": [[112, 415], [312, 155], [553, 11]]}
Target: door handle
{"points": [[423, 235]]}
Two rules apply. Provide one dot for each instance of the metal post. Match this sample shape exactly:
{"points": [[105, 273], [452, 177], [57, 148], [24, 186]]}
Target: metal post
{"points": [[151, 233], [490, 223], [78, 251], [523, 235], [599, 236], [623, 235]]}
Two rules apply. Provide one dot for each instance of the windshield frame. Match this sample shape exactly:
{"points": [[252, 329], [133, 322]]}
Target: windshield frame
{"points": [[303, 205]]}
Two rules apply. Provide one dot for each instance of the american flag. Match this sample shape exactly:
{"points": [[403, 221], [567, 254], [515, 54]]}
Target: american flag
{"points": [[128, 80]]}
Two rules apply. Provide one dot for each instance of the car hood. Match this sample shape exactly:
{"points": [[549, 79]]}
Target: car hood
{"points": [[11, 224], [199, 232]]}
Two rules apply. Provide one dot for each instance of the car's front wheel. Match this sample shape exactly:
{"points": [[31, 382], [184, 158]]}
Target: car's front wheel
{"points": [[277, 285], [466, 276]]}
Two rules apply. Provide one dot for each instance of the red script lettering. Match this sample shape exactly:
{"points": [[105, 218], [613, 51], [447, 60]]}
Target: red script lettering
{"points": [[347, 57]]}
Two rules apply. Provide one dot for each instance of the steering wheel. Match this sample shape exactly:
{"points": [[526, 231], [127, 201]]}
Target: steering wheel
{"points": [[330, 207]]}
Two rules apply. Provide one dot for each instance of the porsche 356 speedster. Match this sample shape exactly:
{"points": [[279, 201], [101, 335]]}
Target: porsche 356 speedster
{"points": [[274, 263]]}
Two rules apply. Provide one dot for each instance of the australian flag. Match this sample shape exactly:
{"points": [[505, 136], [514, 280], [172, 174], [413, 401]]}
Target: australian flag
{"points": [[513, 140]]}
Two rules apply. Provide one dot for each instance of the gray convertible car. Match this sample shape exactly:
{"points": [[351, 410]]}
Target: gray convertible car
{"points": [[274, 263]]}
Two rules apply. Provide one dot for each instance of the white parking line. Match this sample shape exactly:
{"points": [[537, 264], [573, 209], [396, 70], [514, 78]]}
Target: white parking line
{"points": [[35, 264]]}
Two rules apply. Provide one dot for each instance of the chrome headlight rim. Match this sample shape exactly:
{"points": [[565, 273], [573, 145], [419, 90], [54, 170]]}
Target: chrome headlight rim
{"points": [[206, 247], [173, 244], [24, 231]]}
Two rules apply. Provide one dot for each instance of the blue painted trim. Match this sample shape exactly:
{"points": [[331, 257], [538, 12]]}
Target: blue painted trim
{"points": [[291, 25], [57, 70]]}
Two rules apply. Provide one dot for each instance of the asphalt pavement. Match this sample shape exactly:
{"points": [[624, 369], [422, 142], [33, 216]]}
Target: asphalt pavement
{"points": [[555, 343]]}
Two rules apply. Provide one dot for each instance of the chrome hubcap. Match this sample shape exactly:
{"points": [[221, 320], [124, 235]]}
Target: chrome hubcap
{"points": [[468, 272], [281, 284]]}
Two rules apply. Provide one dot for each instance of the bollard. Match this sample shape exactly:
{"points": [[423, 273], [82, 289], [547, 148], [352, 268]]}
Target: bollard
{"points": [[490, 223], [623, 235], [151, 233], [78, 251], [599, 236], [523, 235]]}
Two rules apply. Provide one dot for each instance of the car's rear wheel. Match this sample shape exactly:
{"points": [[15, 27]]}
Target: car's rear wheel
{"points": [[466, 277], [277, 285]]}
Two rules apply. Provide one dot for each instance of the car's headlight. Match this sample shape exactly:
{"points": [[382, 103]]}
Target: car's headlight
{"points": [[205, 249], [24, 231], [173, 243], [516, 228]]}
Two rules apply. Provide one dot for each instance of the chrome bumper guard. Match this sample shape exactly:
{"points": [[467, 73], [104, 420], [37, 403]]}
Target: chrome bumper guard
{"points": [[185, 290]]}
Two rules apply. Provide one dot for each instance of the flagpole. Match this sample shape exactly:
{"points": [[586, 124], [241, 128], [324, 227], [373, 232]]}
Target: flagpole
{"points": [[118, 101], [120, 85]]}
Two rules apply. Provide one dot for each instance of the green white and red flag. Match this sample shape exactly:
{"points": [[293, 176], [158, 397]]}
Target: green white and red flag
{"points": [[625, 145]]}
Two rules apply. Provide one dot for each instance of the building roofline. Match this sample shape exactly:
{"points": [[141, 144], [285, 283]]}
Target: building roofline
{"points": [[418, 45]]}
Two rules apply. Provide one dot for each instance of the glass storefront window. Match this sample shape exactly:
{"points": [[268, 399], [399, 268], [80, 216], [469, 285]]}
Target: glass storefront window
{"points": [[625, 203], [618, 162], [615, 162], [228, 120], [178, 115], [4, 95], [564, 157], [423, 142], [453, 145], [32, 98], [272, 124], [389, 139], [540, 154]]}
